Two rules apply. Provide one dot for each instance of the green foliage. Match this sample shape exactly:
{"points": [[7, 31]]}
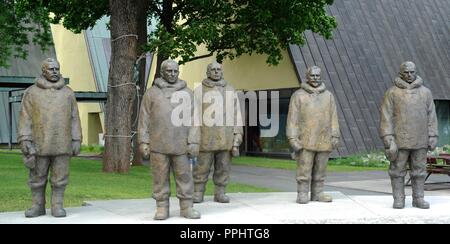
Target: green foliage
{"points": [[92, 148], [440, 150], [446, 148], [374, 159], [20, 27], [75, 15], [228, 29], [232, 28], [24, 22]]}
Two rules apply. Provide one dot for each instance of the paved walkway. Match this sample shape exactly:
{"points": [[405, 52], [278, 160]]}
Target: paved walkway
{"points": [[349, 183], [252, 208]]}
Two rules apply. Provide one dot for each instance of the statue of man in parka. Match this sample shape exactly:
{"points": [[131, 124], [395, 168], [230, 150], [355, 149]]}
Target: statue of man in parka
{"points": [[313, 132], [49, 133], [167, 143], [218, 141], [408, 128]]}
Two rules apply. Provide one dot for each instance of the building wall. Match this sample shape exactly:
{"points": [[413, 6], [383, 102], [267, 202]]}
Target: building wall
{"points": [[244, 73], [71, 52]]}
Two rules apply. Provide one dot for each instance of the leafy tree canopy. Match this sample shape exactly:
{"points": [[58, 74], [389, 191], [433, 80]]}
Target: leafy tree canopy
{"points": [[228, 29], [18, 28]]}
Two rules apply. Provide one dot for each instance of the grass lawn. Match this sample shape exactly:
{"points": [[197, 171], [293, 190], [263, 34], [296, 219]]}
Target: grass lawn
{"points": [[341, 165], [86, 182]]}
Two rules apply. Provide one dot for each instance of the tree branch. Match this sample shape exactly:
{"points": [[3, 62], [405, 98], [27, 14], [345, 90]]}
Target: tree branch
{"points": [[200, 57], [154, 7], [179, 7]]}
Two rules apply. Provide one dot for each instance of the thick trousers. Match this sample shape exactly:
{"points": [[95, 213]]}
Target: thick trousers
{"points": [[397, 171], [59, 177], [161, 165], [221, 161], [311, 168], [417, 160]]}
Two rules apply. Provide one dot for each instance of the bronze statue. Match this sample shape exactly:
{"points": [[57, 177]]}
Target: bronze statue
{"points": [[167, 144], [218, 141], [408, 128], [49, 133], [313, 132]]}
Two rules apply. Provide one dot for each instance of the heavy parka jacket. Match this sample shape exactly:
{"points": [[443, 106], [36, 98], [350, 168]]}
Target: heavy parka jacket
{"points": [[226, 135], [49, 118], [408, 114], [156, 126], [312, 118]]}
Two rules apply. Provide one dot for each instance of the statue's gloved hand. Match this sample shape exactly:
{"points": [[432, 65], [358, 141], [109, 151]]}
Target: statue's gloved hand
{"points": [[296, 144], [392, 152], [76, 147], [432, 142], [235, 152], [237, 140], [144, 148], [27, 148], [335, 142], [193, 150], [387, 141]]}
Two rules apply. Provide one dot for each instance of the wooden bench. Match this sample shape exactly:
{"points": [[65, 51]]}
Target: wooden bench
{"points": [[437, 165]]}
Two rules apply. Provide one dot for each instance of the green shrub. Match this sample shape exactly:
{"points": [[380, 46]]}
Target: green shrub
{"points": [[439, 150], [92, 148], [373, 159]]}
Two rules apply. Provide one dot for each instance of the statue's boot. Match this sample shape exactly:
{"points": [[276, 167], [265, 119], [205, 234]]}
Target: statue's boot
{"points": [[317, 193], [38, 203], [57, 202], [162, 210], [398, 192], [219, 195], [302, 192], [418, 193], [199, 192], [187, 211]]}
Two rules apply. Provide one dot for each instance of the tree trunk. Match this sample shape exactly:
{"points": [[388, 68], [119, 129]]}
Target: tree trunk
{"points": [[120, 92], [142, 83]]}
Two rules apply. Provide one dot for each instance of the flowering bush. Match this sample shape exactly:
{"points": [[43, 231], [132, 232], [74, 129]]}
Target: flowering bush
{"points": [[373, 159], [439, 150]]}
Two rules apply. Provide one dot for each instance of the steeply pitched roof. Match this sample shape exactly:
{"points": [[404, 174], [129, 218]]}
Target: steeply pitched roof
{"points": [[29, 67], [20, 70], [359, 64]]}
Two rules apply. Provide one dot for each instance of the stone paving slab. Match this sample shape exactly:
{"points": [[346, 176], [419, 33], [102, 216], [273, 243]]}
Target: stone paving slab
{"points": [[384, 186], [251, 208]]}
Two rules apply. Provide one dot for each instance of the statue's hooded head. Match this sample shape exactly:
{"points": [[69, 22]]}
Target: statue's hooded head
{"points": [[214, 71], [313, 76], [50, 70], [170, 71], [408, 72]]}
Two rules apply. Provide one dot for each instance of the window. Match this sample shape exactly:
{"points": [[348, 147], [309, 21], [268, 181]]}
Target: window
{"points": [[276, 145], [443, 116]]}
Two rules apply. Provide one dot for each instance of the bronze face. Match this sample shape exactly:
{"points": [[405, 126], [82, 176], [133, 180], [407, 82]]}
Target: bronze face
{"points": [[408, 72], [214, 71], [50, 71], [170, 72], [313, 76]]}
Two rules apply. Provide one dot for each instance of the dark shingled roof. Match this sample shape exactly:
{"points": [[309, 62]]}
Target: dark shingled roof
{"points": [[19, 68], [372, 39]]}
